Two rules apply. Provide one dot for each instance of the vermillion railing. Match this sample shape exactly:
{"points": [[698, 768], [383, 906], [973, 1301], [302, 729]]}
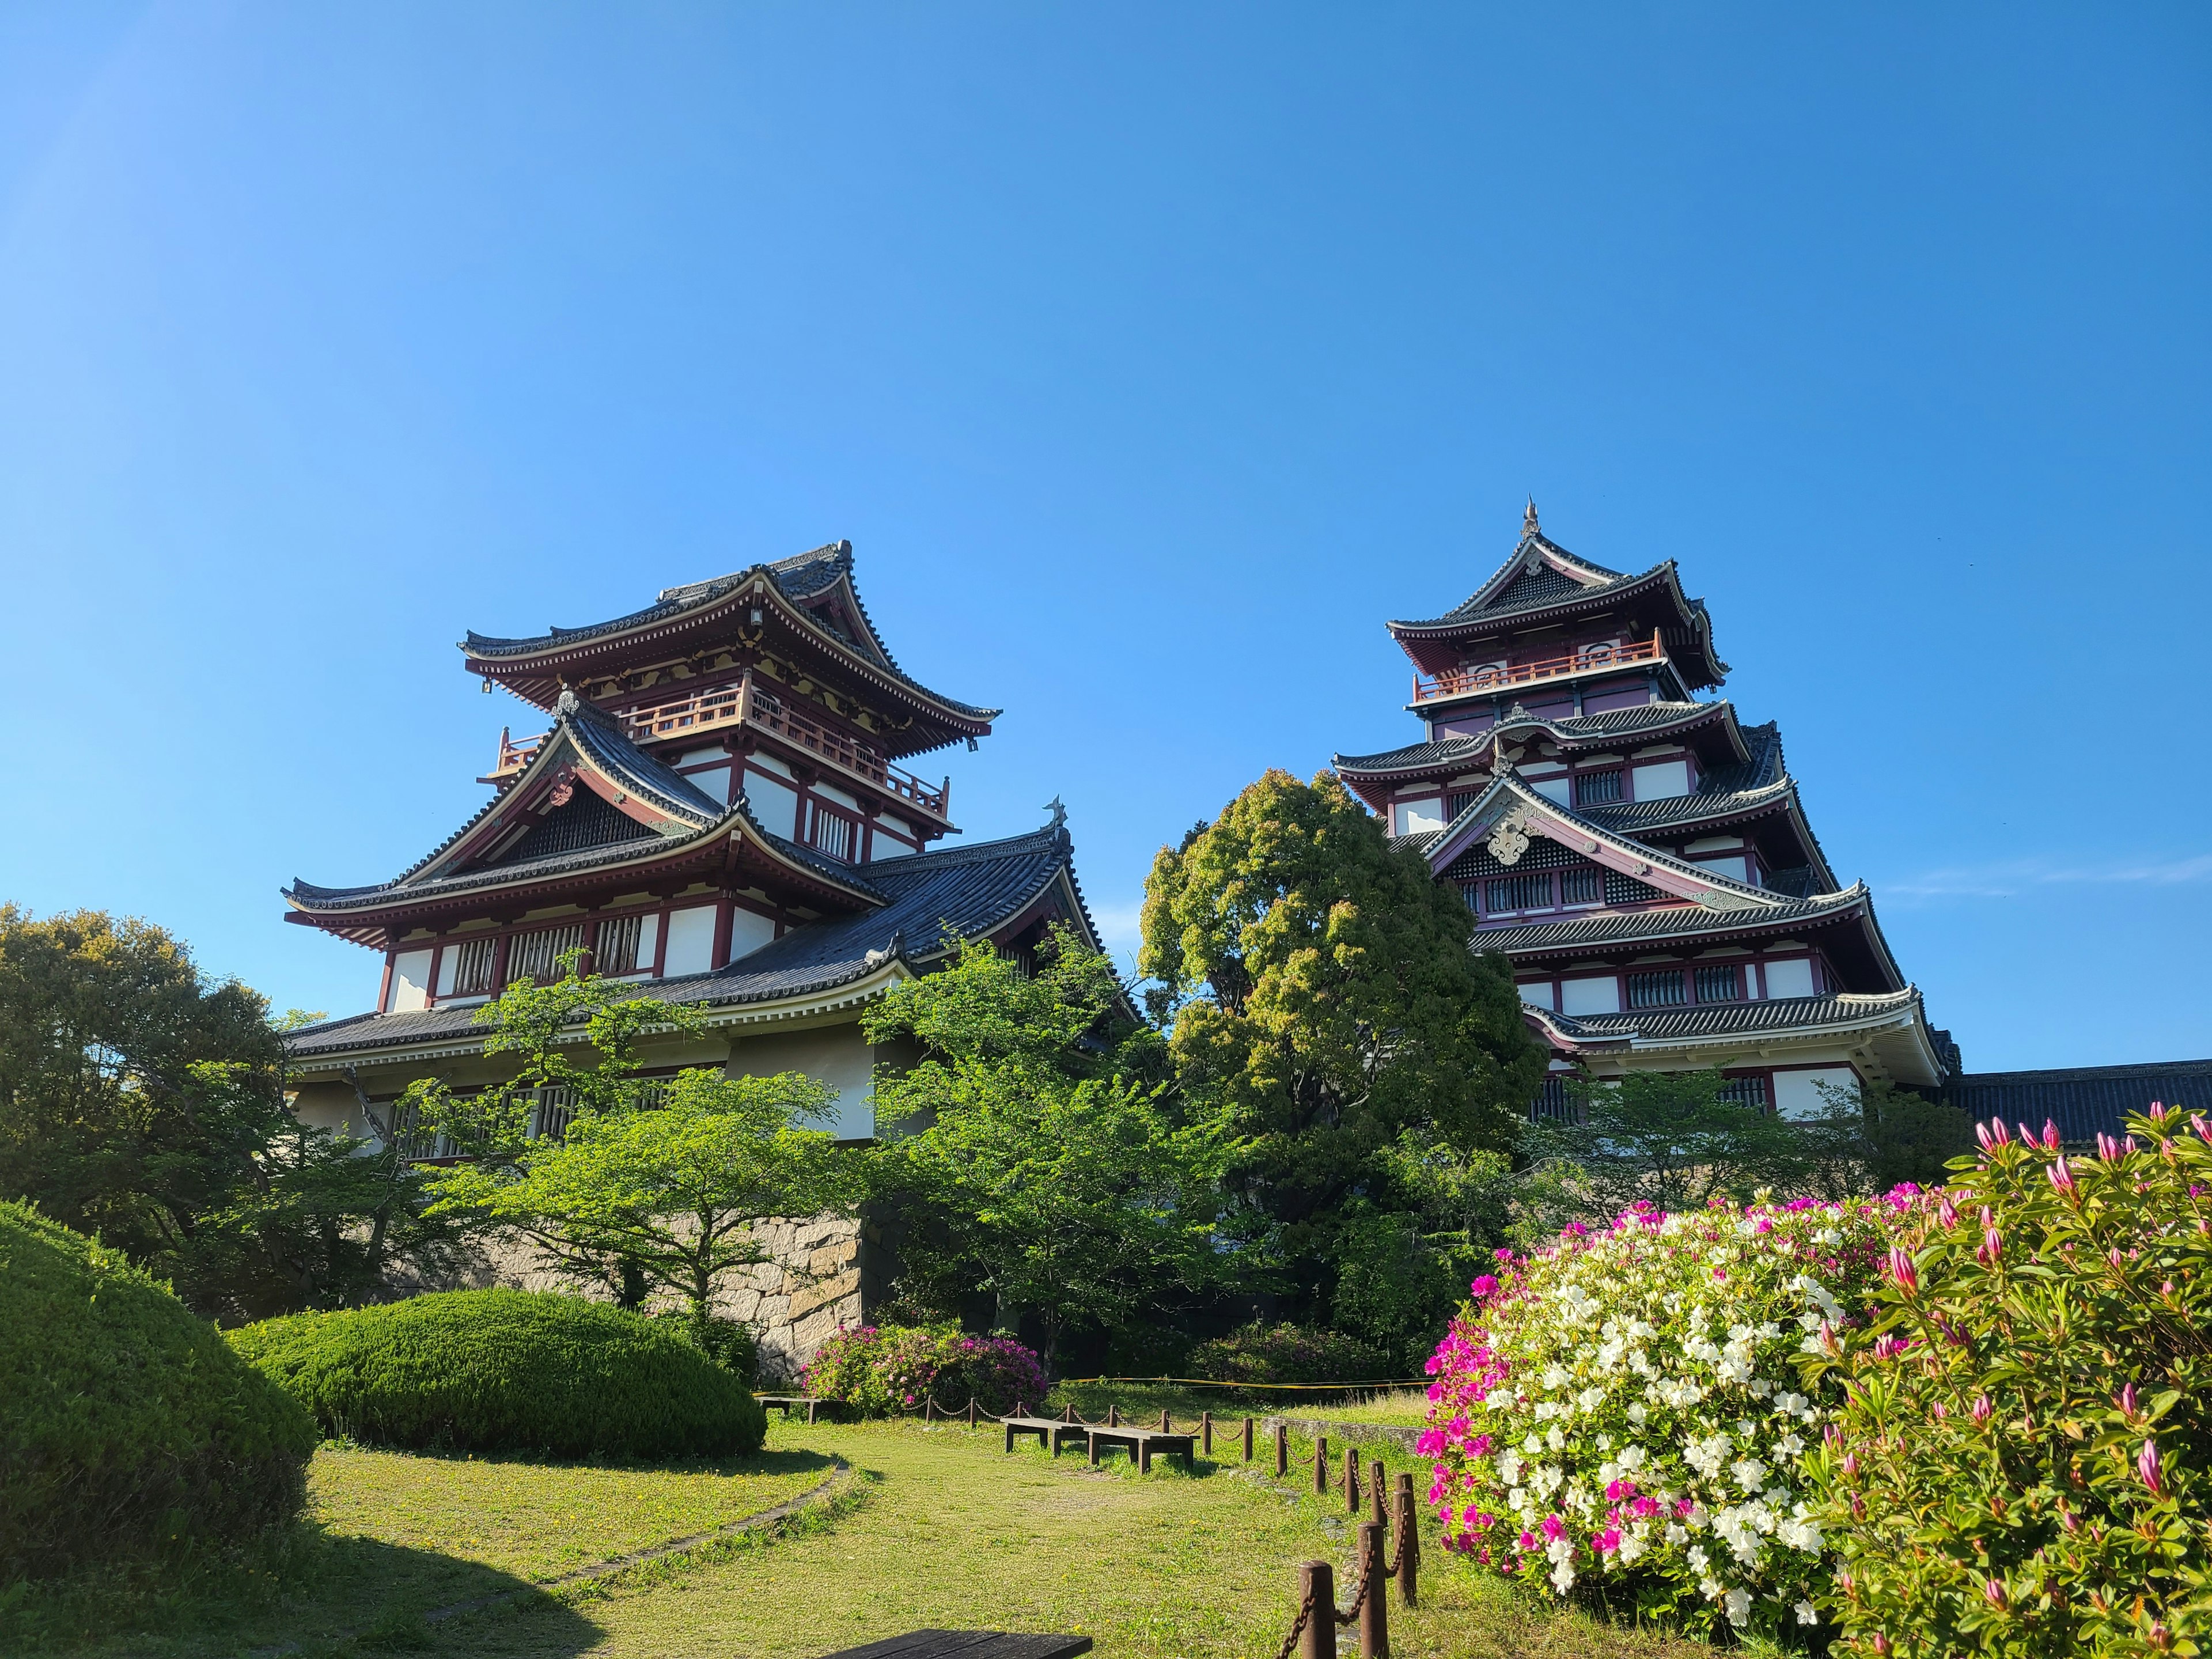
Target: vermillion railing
{"points": [[742, 702], [1458, 681]]}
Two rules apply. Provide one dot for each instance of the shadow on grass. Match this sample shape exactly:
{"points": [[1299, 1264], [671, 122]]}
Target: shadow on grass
{"points": [[796, 1460], [302, 1592]]}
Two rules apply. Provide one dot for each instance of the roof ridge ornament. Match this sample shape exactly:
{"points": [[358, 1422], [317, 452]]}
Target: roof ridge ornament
{"points": [[567, 704], [1528, 526], [1059, 812]]}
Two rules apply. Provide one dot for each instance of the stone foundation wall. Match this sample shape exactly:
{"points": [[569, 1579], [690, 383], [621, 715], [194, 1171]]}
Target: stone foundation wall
{"points": [[825, 1273]]}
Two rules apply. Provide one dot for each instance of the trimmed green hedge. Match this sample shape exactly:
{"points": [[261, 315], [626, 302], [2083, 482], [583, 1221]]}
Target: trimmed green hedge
{"points": [[126, 1426], [507, 1371]]}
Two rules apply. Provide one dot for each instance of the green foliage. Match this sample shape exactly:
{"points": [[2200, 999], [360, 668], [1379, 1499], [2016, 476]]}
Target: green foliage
{"points": [[507, 1370], [141, 1101], [881, 1370], [2025, 1464], [1322, 993], [127, 1427], [671, 1192], [1260, 1353], [730, 1343], [1665, 1138], [1038, 1163], [1876, 1136]]}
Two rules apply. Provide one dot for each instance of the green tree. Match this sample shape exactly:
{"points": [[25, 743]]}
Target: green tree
{"points": [[1878, 1135], [674, 1189], [1319, 985], [146, 1103], [1665, 1137], [1044, 1161]]}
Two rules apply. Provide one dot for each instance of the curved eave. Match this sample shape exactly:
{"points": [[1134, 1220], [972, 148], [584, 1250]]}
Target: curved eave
{"points": [[536, 675], [1779, 799], [1693, 623], [1673, 925], [1910, 1054]]}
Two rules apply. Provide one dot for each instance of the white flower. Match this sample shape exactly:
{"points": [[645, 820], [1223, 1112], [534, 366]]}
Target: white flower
{"points": [[1509, 1467], [1590, 1399], [1790, 1403], [1636, 1413], [1789, 1446], [1534, 1445], [1676, 1532], [1738, 1608], [1556, 1376], [1750, 1474], [1554, 1438], [1807, 1613]]}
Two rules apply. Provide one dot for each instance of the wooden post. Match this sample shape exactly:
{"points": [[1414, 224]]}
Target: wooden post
{"points": [[1248, 1440], [1317, 1592], [1166, 1427], [1282, 1449], [1205, 1432], [1320, 1464], [1070, 1416], [1375, 1486], [1113, 1416], [1351, 1481], [1010, 1436], [971, 1421], [1409, 1541], [1374, 1609]]}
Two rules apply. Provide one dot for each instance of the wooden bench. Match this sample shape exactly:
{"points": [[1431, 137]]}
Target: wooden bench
{"points": [[1052, 1432], [968, 1644], [1141, 1443], [792, 1403]]}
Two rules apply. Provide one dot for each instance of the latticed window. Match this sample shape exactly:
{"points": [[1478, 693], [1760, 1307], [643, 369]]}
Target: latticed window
{"points": [[1744, 1091], [1595, 788], [1583, 886], [1659, 990], [535, 955], [1518, 893], [472, 965], [1457, 803], [616, 950], [831, 833], [1721, 984]]}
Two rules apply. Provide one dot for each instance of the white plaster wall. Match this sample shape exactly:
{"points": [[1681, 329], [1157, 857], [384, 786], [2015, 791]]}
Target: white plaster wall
{"points": [[1658, 779], [1590, 996], [748, 933], [1538, 994], [1411, 817], [882, 847], [834, 1055], [775, 805], [1560, 790], [410, 981], [1789, 979], [1797, 1094], [714, 783], [691, 942]]}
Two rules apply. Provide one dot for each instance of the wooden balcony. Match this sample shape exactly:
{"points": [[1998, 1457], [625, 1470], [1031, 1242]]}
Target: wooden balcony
{"points": [[1460, 681], [743, 702], [513, 757]]}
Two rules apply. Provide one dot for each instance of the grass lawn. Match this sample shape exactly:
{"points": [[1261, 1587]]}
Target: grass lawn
{"points": [[938, 1527]]}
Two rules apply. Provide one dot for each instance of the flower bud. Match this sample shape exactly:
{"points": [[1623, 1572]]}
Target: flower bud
{"points": [[2146, 1467]]}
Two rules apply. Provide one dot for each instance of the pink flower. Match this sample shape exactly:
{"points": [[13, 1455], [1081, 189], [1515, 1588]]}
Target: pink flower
{"points": [[2125, 1400], [1645, 1507], [1982, 1410], [2146, 1467], [2049, 1136], [2107, 1148], [2061, 1177], [1902, 1270], [1483, 1286], [1553, 1527], [1993, 1589], [1526, 1542], [1502, 1254], [1993, 1135], [1945, 1211], [1682, 1508], [1606, 1541], [1992, 1246]]}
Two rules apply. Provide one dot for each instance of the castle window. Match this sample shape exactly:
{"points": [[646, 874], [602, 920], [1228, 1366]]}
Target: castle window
{"points": [[1744, 1091], [831, 832], [472, 965], [616, 950], [1659, 990], [1583, 886], [1518, 893], [1721, 984], [536, 955], [1595, 788]]}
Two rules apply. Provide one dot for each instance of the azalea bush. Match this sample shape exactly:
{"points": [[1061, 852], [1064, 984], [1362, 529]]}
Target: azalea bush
{"points": [[884, 1369], [2022, 1467], [1619, 1418]]}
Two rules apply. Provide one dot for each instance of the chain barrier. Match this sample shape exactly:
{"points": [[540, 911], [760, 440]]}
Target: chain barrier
{"points": [[1297, 1628]]}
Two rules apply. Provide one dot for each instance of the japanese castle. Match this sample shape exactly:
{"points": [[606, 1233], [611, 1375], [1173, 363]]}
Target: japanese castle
{"points": [[1641, 856], [719, 814]]}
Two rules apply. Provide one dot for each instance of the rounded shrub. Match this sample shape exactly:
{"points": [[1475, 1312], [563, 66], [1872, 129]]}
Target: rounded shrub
{"points": [[1260, 1353], [1621, 1418], [2024, 1462], [507, 1371], [877, 1369], [126, 1426]]}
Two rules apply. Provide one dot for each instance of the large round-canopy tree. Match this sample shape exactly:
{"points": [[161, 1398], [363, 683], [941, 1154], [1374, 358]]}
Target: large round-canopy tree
{"points": [[1319, 983]]}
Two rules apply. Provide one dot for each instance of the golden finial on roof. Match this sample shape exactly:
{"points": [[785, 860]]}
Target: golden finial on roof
{"points": [[1528, 519]]}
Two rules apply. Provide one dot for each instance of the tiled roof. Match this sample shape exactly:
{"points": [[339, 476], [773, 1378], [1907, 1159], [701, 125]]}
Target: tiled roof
{"points": [[800, 577], [639, 773], [2084, 1101], [1625, 928], [1734, 1018], [1571, 729], [1415, 756], [968, 891]]}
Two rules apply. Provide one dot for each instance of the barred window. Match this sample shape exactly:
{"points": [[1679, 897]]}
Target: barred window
{"points": [[1457, 802], [1518, 893], [535, 955], [472, 965], [1594, 788], [1583, 886], [830, 832], [1659, 990], [1744, 1091], [1468, 890], [1721, 984], [616, 950]]}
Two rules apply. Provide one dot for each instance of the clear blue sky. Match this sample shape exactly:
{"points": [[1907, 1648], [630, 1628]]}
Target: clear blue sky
{"points": [[1150, 356]]}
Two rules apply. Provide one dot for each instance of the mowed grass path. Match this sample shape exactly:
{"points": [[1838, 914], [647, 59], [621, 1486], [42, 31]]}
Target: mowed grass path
{"points": [[953, 1532]]}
